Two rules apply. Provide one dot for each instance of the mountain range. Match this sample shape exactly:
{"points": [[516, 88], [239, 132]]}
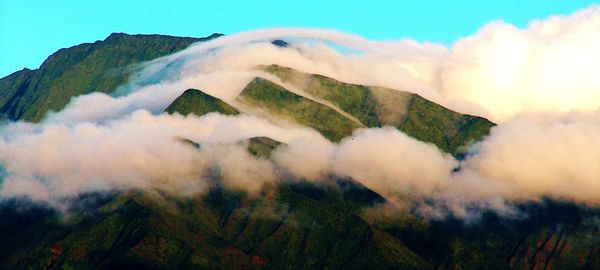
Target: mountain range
{"points": [[292, 224]]}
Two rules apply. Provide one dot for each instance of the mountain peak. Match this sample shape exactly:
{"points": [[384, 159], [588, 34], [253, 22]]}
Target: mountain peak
{"points": [[81, 69], [280, 43], [194, 101], [116, 35], [119, 35]]}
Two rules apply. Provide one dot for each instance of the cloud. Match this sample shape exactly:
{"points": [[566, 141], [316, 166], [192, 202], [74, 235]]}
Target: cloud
{"points": [[527, 160], [539, 83], [393, 164], [51, 161], [306, 158], [499, 72], [550, 65]]}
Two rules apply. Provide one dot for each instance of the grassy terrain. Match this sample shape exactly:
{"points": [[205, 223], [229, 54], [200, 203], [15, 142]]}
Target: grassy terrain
{"points": [[197, 102], [266, 94], [12, 87], [410, 113], [356, 100], [290, 225], [262, 146], [372, 106], [449, 130], [101, 66]]}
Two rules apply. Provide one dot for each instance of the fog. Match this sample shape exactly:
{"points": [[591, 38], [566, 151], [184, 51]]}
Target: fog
{"points": [[539, 83]]}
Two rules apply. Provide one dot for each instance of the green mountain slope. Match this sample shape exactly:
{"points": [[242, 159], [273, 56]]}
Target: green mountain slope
{"points": [[262, 146], [356, 100], [291, 225], [12, 87], [101, 66], [376, 106], [197, 102], [448, 130], [263, 93], [550, 235], [372, 106]]}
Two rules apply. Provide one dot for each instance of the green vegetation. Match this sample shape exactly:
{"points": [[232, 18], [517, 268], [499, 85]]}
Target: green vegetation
{"points": [[262, 146], [338, 224], [374, 107], [281, 102], [257, 146], [12, 87], [356, 100], [447, 129], [104, 65], [197, 102], [290, 225], [101, 66], [2, 174]]}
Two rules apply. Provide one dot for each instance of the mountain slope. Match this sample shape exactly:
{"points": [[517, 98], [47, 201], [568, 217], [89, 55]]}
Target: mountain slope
{"points": [[197, 102], [376, 107], [289, 224], [262, 146], [314, 227], [371, 106], [12, 87], [266, 94], [101, 66]]}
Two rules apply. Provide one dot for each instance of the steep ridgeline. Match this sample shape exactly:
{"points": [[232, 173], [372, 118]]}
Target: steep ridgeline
{"points": [[262, 146], [376, 107], [101, 66], [346, 107], [289, 225], [285, 104], [197, 102]]}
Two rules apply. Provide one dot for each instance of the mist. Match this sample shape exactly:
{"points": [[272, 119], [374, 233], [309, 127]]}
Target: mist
{"points": [[540, 84]]}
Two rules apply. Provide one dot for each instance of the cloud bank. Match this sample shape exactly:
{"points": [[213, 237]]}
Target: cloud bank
{"points": [[539, 83]]}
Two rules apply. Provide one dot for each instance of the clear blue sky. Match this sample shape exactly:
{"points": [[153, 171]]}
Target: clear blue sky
{"points": [[32, 30]]}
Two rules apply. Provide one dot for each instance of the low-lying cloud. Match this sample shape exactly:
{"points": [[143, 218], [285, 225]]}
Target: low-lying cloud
{"points": [[539, 83], [523, 159], [142, 151]]}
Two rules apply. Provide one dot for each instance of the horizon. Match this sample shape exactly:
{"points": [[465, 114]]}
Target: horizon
{"points": [[48, 28]]}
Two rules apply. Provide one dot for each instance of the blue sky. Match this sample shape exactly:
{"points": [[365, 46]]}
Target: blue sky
{"points": [[32, 30]]}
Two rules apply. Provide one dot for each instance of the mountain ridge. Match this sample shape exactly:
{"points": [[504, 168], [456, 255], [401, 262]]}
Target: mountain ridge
{"points": [[194, 101], [100, 66], [289, 224], [421, 119], [416, 116]]}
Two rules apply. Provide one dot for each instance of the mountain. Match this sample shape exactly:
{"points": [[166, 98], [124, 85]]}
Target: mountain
{"points": [[262, 146], [377, 106], [221, 229], [101, 66], [278, 100], [197, 102], [336, 109], [290, 224]]}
